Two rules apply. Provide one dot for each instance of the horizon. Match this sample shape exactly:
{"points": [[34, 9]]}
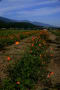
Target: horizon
{"points": [[46, 11]]}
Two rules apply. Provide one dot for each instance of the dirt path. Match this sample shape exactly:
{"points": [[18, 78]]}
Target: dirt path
{"points": [[15, 52], [54, 65]]}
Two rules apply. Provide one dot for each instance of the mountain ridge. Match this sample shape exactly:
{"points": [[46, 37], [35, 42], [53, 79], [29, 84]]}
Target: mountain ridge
{"points": [[7, 20]]}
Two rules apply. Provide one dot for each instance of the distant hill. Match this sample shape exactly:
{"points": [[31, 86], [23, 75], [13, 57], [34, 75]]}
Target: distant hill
{"points": [[6, 19], [42, 24], [9, 23]]}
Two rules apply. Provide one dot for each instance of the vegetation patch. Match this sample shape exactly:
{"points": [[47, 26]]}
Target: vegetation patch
{"points": [[8, 37], [32, 68]]}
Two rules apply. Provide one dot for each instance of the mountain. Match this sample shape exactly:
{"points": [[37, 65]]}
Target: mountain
{"points": [[6, 19], [35, 23], [42, 24], [9, 23], [10, 20]]}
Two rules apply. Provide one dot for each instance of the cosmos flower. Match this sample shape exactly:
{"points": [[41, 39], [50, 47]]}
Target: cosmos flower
{"points": [[9, 58], [16, 42], [39, 45], [33, 38], [32, 44], [50, 74], [18, 82]]}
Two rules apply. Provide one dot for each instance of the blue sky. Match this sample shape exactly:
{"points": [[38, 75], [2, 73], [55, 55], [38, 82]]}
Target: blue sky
{"points": [[46, 11]]}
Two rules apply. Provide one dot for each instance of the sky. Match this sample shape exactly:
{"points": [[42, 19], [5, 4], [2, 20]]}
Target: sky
{"points": [[44, 11]]}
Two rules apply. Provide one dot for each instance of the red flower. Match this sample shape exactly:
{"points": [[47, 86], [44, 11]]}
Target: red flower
{"points": [[9, 58], [48, 75], [39, 45], [51, 73], [33, 38], [18, 82], [16, 42], [32, 45]]}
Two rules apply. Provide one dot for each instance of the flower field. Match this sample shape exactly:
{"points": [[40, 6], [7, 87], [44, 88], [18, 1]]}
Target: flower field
{"points": [[8, 37], [32, 70]]}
